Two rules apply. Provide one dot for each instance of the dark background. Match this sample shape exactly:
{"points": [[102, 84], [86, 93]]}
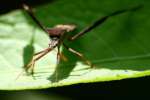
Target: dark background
{"points": [[137, 87], [9, 5]]}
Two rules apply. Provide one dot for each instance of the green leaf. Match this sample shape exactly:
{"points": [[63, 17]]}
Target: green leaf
{"points": [[119, 49]]}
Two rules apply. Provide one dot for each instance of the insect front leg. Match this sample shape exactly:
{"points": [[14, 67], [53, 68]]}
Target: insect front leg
{"points": [[36, 57]]}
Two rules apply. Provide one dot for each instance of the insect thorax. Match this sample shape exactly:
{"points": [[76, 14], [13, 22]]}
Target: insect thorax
{"points": [[59, 30]]}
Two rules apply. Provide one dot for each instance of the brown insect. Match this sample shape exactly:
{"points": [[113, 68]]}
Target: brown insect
{"points": [[58, 33]]}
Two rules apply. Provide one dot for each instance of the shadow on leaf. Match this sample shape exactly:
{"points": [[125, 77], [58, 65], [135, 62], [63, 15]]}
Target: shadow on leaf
{"points": [[28, 51]]}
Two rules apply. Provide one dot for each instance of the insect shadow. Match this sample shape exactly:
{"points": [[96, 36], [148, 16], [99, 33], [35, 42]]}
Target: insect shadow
{"points": [[111, 60], [101, 50], [28, 51], [65, 67]]}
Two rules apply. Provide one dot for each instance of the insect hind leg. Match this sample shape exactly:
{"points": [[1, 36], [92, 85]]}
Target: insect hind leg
{"points": [[79, 55]]}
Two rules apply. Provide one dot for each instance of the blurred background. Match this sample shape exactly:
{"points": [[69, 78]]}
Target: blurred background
{"points": [[7, 5], [137, 87]]}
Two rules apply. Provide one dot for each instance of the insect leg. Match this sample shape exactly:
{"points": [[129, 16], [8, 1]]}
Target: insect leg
{"points": [[101, 20], [36, 57], [40, 52], [58, 55], [30, 12], [78, 54]]}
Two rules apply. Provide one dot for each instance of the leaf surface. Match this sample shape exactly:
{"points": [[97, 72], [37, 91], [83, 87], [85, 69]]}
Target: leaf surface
{"points": [[119, 48]]}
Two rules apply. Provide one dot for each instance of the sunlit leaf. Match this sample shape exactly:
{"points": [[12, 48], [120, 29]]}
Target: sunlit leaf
{"points": [[119, 49]]}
